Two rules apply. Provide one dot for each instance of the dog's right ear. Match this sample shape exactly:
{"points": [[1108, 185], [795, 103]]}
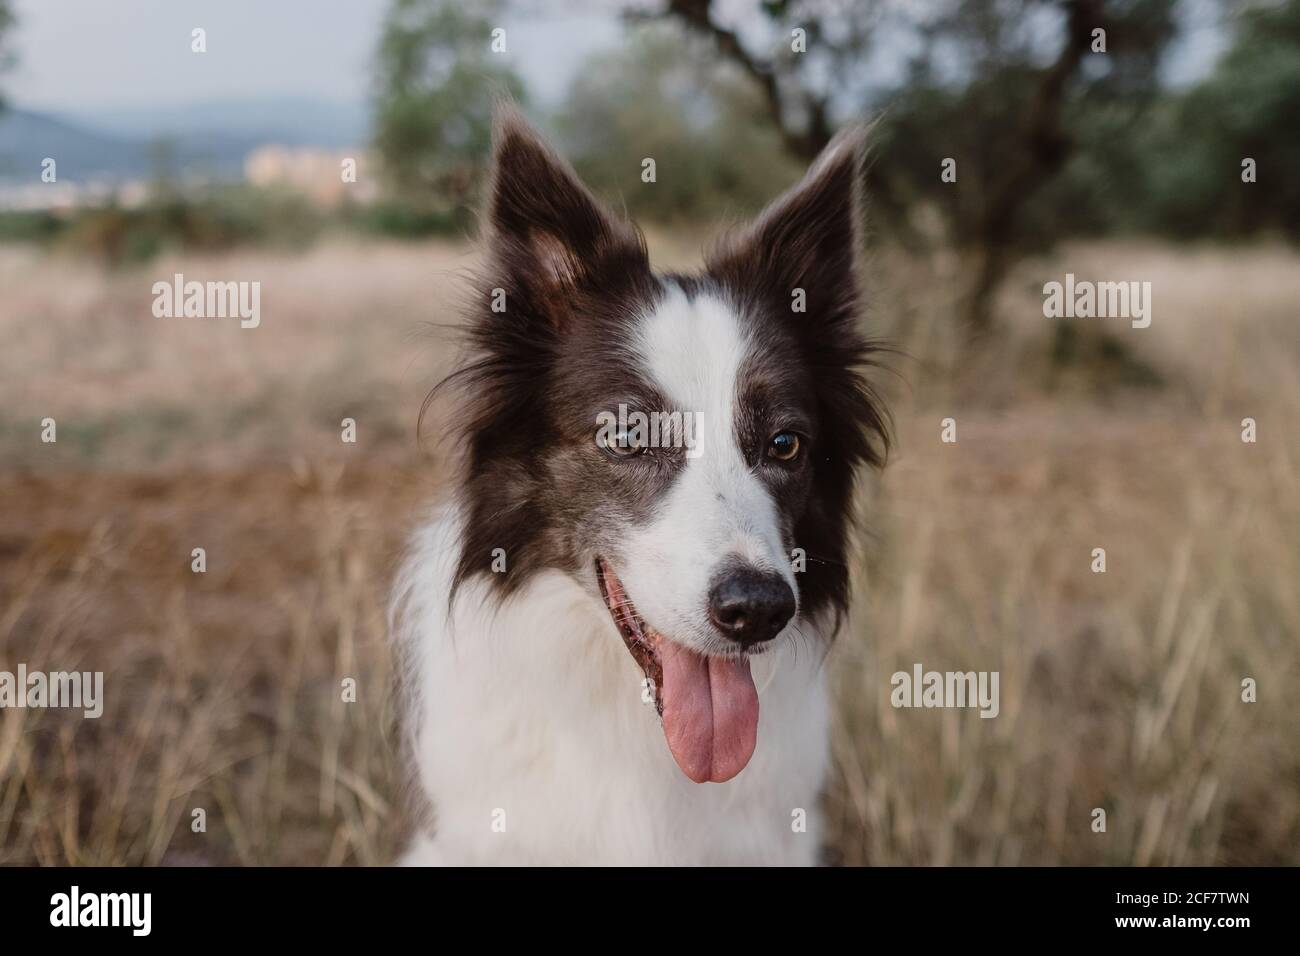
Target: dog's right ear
{"points": [[807, 240], [547, 232]]}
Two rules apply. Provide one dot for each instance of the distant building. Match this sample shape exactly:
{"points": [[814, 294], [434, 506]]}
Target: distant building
{"points": [[318, 174]]}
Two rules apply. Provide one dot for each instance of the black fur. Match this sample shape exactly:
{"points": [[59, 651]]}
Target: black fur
{"points": [[575, 279], [810, 240]]}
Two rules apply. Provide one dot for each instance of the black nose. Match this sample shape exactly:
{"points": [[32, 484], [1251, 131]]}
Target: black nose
{"points": [[750, 606]]}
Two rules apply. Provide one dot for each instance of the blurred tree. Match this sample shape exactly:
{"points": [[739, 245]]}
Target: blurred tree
{"points": [[6, 28], [663, 96], [437, 77], [1013, 120], [1248, 108], [989, 83], [1175, 168]]}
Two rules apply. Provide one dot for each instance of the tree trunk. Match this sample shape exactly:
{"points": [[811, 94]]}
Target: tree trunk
{"points": [[1046, 145]]}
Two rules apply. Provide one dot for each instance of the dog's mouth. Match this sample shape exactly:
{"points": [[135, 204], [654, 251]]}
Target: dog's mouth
{"points": [[709, 705]]}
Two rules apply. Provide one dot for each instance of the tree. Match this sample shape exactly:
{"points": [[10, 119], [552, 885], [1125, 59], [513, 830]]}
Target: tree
{"points": [[437, 78], [1212, 159], [6, 28], [991, 83], [1245, 110], [662, 96]]}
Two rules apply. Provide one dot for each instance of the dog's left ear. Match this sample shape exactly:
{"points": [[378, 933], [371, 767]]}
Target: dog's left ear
{"points": [[548, 234], [802, 250]]}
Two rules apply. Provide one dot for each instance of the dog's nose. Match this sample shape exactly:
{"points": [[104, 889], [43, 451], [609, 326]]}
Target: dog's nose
{"points": [[750, 606]]}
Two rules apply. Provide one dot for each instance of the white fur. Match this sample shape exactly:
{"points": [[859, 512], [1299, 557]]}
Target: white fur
{"points": [[532, 737], [717, 509]]}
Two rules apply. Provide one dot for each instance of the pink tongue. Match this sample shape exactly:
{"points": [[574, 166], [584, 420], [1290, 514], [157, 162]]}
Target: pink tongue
{"points": [[710, 713]]}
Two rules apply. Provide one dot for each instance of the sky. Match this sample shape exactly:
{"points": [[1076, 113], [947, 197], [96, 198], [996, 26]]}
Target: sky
{"points": [[76, 55]]}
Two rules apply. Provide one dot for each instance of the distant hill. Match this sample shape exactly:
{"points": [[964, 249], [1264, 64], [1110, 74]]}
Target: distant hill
{"points": [[26, 138], [291, 121], [208, 139]]}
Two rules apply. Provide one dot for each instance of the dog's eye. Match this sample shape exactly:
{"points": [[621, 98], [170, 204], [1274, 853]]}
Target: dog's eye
{"points": [[621, 444], [784, 446]]}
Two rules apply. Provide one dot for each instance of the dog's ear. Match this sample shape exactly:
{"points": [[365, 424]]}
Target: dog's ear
{"points": [[802, 251], [547, 232]]}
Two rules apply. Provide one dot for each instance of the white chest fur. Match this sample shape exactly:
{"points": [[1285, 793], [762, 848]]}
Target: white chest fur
{"points": [[534, 745]]}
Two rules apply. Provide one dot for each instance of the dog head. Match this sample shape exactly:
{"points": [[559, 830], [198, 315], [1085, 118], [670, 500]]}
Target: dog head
{"points": [[684, 446]]}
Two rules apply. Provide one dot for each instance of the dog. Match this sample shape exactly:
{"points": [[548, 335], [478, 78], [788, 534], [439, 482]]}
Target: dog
{"points": [[612, 636]]}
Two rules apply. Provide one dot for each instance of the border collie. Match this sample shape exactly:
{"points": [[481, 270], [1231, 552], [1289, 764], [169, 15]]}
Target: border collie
{"points": [[611, 635]]}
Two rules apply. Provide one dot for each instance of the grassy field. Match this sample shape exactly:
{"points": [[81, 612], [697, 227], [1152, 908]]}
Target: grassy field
{"points": [[1119, 690]]}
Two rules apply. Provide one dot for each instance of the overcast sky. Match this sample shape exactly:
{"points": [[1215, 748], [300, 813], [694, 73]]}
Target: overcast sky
{"points": [[79, 54], [76, 55]]}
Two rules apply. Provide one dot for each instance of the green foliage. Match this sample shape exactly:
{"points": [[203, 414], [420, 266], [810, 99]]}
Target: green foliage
{"points": [[223, 219], [1249, 107], [219, 219], [437, 78], [398, 220], [982, 116], [1176, 168], [6, 31], [30, 226], [665, 96]]}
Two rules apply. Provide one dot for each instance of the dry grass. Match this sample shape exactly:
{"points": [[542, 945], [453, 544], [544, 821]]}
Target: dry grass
{"points": [[1119, 690], [223, 689]]}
